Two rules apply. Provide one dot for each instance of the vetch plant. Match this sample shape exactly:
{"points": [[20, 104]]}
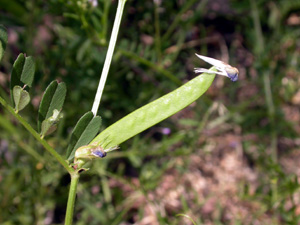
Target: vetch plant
{"points": [[84, 145]]}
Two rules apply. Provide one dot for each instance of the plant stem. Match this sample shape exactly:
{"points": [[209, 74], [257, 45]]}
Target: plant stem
{"points": [[260, 45], [268, 94], [271, 113], [109, 55], [104, 19], [266, 80], [71, 199], [57, 156]]}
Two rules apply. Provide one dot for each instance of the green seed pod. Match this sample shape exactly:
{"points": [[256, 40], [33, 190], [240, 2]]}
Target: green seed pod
{"points": [[89, 152], [154, 112]]}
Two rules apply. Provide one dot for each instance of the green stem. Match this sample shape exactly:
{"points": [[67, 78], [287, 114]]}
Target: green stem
{"points": [[260, 48], [104, 20], [37, 136], [110, 51], [271, 112], [260, 45], [266, 80], [72, 196]]}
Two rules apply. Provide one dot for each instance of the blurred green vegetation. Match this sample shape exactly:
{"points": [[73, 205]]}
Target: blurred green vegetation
{"points": [[256, 118]]}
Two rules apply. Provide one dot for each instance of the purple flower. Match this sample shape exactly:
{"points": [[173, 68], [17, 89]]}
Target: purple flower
{"points": [[166, 131]]}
